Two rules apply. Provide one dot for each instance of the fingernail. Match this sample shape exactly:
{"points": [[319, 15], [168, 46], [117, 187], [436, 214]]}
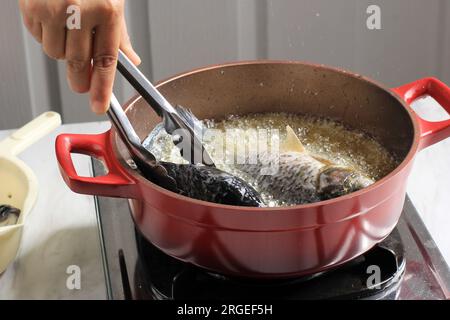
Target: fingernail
{"points": [[98, 107], [138, 58]]}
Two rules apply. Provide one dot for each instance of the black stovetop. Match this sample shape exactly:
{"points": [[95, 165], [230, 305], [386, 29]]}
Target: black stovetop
{"points": [[410, 263]]}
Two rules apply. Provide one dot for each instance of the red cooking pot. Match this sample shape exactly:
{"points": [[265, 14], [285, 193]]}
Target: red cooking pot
{"points": [[267, 242]]}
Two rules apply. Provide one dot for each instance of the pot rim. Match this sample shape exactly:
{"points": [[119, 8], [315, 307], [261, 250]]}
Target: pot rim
{"points": [[404, 163]]}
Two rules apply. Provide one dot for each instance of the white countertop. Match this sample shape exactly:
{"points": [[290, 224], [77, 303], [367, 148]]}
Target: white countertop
{"points": [[62, 229]]}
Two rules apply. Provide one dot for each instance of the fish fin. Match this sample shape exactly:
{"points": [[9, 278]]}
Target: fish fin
{"points": [[323, 160], [292, 143]]}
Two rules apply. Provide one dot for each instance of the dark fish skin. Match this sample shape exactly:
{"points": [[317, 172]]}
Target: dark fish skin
{"points": [[202, 182], [8, 215], [213, 185]]}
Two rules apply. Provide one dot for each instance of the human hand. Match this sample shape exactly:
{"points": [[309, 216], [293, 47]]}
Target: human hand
{"points": [[91, 51]]}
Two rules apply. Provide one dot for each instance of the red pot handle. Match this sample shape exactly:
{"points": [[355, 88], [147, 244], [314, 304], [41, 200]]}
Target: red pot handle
{"points": [[431, 132], [116, 183]]}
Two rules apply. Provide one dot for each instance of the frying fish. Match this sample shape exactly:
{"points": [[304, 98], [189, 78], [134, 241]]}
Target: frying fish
{"points": [[301, 178], [8, 215], [204, 182], [213, 185]]}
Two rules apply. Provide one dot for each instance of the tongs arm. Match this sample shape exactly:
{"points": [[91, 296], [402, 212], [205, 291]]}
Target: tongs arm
{"points": [[126, 131], [143, 158], [144, 87], [171, 119]]}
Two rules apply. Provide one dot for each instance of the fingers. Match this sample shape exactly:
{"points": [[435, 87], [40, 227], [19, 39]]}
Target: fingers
{"points": [[54, 41], [126, 47], [36, 31], [106, 48], [91, 58], [33, 27], [78, 55]]}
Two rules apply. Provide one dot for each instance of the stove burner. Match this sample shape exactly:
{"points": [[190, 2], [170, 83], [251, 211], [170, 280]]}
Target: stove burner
{"points": [[159, 276], [153, 275]]}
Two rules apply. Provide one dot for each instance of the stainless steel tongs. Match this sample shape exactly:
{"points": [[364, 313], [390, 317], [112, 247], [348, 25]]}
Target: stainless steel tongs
{"points": [[144, 159], [172, 119]]}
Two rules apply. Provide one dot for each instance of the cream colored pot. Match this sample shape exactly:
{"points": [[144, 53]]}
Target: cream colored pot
{"points": [[18, 183]]}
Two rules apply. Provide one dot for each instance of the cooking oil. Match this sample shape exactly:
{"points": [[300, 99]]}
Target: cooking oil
{"points": [[323, 138]]}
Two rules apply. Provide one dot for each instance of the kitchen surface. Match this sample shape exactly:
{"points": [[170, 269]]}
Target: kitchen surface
{"points": [[109, 197], [63, 229]]}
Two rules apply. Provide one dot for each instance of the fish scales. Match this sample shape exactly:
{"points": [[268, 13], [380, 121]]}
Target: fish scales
{"points": [[298, 178], [294, 179], [211, 184]]}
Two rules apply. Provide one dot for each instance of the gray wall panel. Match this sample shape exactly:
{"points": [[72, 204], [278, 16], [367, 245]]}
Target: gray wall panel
{"points": [[312, 30], [15, 101], [407, 47], [444, 23], [189, 34], [176, 35]]}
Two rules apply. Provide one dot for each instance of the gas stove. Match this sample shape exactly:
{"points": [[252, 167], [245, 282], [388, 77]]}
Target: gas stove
{"points": [[410, 265]]}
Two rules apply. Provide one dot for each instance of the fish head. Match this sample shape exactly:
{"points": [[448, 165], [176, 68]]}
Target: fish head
{"points": [[8, 215], [335, 181]]}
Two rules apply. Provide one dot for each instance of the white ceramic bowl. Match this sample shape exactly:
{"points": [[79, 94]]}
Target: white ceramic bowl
{"points": [[18, 183]]}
